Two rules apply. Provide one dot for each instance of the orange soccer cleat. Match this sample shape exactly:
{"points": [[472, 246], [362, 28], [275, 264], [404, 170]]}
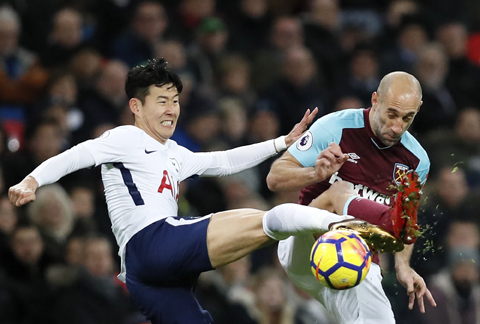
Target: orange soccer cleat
{"points": [[405, 208]]}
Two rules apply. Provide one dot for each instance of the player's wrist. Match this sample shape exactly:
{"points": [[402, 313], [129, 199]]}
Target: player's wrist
{"points": [[280, 143]]}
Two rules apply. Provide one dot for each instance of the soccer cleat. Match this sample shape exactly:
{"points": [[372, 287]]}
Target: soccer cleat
{"points": [[405, 208], [376, 238]]}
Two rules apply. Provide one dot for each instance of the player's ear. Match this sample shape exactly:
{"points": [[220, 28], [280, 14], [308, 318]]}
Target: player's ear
{"points": [[421, 103], [134, 105], [374, 98]]}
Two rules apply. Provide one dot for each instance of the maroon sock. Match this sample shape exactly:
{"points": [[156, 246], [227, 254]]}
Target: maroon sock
{"points": [[372, 212]]}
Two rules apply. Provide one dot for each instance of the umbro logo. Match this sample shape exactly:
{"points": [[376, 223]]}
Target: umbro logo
{"points": [[148, 152], [353, 157]]}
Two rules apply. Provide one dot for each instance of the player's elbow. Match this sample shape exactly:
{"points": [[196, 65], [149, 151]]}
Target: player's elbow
{"points": [[272, 182]]}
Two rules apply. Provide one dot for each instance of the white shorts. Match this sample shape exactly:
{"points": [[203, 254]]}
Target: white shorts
{"points": [[364, 304]]}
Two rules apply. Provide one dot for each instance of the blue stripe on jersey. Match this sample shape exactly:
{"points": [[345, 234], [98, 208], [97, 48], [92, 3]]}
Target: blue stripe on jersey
{"points": [[414, 146], [325, 130], [132, 187]]}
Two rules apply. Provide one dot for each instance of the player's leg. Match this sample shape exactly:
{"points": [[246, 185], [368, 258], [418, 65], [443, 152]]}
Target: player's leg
{"points": [[236, 233], [365, 303], [341, 198], [164, 305], [163, 262]]}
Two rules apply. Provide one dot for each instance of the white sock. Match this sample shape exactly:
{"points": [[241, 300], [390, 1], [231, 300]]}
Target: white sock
{"points": [[286, 220]]}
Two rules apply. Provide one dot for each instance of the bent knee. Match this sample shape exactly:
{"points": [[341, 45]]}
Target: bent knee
{"points": [[342, 187]]}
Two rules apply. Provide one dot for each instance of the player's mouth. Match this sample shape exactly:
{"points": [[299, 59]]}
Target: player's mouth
{"points": [[167, 123]]}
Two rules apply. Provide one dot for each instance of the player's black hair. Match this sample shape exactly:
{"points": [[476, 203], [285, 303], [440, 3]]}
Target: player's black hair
{"points": [[155, 72]]}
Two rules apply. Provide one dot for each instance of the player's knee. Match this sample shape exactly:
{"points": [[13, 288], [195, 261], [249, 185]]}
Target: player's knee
{"points": [[341, 188]]}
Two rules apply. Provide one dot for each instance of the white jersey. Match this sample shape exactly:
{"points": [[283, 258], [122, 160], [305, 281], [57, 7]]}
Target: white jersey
{"points": [[141, 176]]}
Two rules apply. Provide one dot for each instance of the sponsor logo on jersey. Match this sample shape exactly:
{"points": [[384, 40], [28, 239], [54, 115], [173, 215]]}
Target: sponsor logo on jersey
{"points": [[399, 171], [363, 191], [148, 152], [305, 142], [353, 157]]}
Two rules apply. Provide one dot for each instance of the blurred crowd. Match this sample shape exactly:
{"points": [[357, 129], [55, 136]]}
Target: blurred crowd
{"points": [[250, 68]]}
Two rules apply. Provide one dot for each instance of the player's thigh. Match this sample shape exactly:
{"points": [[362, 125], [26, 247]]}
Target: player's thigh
{"points": [[170, 251], [366, 303], [235, 233], [167, 305]]}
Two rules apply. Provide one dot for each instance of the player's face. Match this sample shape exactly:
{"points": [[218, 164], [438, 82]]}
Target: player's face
{"points": [[159, 114], [391, 117]]}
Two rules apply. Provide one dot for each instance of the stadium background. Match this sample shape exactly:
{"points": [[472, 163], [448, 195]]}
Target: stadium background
{"points": [[250, 68]]}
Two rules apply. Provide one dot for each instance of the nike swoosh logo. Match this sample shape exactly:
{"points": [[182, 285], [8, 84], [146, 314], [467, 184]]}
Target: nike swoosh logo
{"points": [[148, 152]]}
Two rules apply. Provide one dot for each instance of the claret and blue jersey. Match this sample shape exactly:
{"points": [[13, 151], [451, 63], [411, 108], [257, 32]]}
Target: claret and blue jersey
{"points": [[372, 168]]}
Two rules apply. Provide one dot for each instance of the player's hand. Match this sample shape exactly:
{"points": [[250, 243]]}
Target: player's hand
{"points": [[23, 192], [300, 128], [416, 287], [329, 161]]}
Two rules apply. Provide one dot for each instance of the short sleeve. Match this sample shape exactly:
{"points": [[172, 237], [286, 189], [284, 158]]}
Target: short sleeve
{"points": [[113, 145]]}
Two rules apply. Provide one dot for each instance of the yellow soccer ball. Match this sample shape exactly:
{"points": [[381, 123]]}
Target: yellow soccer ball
{"points": [[340, 259]]}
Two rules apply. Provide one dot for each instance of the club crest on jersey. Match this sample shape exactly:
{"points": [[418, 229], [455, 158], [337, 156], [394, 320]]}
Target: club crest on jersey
{"points": [[305, 142], [175, 164], [399, 171]]}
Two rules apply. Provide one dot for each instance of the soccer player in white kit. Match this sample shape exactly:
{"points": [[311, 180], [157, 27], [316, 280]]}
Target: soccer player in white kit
{"points": [[162, 255]]}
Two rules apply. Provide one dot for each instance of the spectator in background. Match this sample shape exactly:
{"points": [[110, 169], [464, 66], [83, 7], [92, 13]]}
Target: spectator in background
{"points": [[25, 270], [82, 198], [8, 222], [249, 26], [233, 81], [362, 76], [53, 214], [44, 140], [234, 122], [65, 39], [106, 102], [86, 66], [226, 293], [94, 297], [450, 200], [208, 50], [458, 147], [286, 33], [175, 53], [272, 302], [463, 77], [412, 36], [322, 25], [395, 13], [189, 16], [22, 79], [296, 90], [439, 108], [137, 44], [456, 290], [61, 105]]}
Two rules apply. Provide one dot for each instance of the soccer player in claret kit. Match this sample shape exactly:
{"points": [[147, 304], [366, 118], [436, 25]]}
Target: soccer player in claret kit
{"points": [[162, 255], [371, 153]]}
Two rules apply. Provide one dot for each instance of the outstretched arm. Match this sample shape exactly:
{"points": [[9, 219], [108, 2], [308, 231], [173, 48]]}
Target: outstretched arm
{"points": [[411, 280], [289, 174], [244, 157], [50, 171]]}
